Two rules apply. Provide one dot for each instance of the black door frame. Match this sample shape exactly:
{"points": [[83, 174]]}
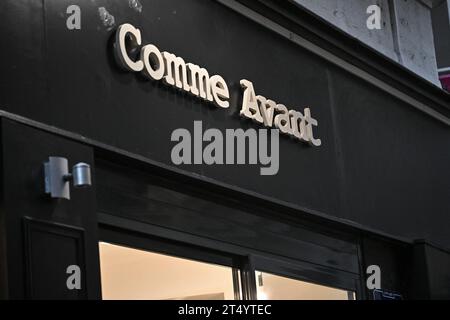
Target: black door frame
{"points": [[152, 243], [308, 272]]}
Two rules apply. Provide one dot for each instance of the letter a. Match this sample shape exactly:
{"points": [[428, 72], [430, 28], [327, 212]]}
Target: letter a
{"points": [[374, 280], [74, 280], [250, 107], [374, 20], [74, 20], [181, 152]]}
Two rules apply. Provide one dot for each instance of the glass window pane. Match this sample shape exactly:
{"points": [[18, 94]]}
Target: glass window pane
{"points": [[128, 273], [273, 287]]}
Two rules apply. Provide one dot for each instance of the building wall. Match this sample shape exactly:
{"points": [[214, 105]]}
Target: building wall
{"points": [[441, 27], [374, 162], [406, 35], [383, 166]]}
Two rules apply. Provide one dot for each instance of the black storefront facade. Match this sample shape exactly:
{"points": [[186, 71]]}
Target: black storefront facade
{"points": [[376, 192]]}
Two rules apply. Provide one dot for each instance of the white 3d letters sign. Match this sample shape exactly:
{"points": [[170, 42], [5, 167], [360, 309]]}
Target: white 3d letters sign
{"points": [[195, 80]]}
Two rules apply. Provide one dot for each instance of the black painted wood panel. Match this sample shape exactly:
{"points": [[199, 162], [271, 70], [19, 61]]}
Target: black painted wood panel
{"points": [[37, 254], [382, 164], [49, 249], [146, 198]]}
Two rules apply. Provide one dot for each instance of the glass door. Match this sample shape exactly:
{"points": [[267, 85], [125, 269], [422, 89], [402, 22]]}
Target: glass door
{"points": [[138, 266], [273, 287], [285, 279], [128, 273]]}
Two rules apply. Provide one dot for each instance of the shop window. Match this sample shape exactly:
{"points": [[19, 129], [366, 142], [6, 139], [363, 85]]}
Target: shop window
{"points": [[128, 273], [273, 287]]}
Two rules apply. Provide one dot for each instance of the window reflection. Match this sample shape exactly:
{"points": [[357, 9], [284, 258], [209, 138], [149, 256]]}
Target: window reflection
{"points": [[273, 287], [128, 273]]}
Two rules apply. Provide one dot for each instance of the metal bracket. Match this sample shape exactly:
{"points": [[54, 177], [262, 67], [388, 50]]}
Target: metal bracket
{"points": [[57, 177]]}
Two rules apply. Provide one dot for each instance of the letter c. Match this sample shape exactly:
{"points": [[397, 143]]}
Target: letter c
{"points": [[121, 53], [266, 309]]}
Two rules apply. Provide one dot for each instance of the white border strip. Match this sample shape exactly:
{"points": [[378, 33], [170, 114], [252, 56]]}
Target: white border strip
{"points": [[444, 70]]}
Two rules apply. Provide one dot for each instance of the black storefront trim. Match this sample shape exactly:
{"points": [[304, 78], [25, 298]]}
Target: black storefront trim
{"points": [[286, 210], [126, 232]]}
